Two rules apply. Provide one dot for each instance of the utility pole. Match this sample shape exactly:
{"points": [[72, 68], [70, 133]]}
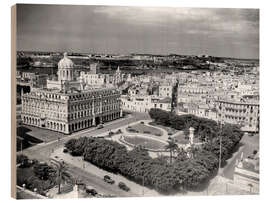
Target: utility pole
{"points": [[21, 146], [143, 183], [220, 143]]}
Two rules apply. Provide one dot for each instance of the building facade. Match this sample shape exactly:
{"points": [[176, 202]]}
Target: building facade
{"points": [[246, 174], [143, 103], [68, 109], [96, 80], [165, 90], [245, 114], [72, 111]]}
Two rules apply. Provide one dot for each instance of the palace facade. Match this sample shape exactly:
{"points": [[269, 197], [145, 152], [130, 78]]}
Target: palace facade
{"points": [[65, 108]]}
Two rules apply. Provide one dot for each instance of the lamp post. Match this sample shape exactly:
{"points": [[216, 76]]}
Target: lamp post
{"points": [[22, 145], [143, 183]]}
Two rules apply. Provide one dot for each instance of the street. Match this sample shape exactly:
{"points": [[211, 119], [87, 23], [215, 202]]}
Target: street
{"points": [[247, 145], [44, 151]]}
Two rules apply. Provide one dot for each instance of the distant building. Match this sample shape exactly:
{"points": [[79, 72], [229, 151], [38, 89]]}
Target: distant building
{"points": [[34, 80], [165, 90], [94, 68], [38, 81], [245, 114], [92, 79], [143, 103], [118, 76]]}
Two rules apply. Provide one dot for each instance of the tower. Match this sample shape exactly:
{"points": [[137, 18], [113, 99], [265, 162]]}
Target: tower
{"points": [[117, 76], [94, 68], [65, 69]]}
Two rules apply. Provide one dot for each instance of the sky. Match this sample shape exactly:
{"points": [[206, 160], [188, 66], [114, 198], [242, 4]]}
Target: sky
{"points": [[152, 30]]}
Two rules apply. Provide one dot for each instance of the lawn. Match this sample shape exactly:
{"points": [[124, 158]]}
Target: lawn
{"points": [[168, 129], [144, 129], [44, 134], [146, 142]]}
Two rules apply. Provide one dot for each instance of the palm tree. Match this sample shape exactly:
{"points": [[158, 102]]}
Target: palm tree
{"points": [[171, 146], [62, 174]]}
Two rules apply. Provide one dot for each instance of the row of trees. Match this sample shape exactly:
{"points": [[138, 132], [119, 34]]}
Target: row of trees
{"points": [[182, 174], [205, 129]]}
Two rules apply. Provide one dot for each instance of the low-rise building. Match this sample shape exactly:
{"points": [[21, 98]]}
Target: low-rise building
{"points": [[165, 90], [246, 174], [143, 103]]}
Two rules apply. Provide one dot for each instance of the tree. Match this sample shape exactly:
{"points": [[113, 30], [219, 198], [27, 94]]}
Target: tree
{"points": [[172, 147], [62, 174], [23, 160], [44, 171]]}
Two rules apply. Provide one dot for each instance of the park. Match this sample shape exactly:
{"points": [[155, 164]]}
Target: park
{"points": [[166, 154]]}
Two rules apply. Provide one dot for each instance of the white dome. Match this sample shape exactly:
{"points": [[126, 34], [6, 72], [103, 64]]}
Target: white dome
{"points": [[65, 63]]}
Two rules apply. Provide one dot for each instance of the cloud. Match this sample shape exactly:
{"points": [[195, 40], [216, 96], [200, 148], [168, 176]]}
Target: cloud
{"points": [[202, 20]]}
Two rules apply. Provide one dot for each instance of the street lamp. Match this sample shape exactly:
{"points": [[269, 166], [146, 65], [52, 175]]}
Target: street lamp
{"points": [[22, 145], [143, 183]]}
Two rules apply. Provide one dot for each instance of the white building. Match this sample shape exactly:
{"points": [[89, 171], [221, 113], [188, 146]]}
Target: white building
{"points": [[165, 90], [92, 79], [142, 103]]}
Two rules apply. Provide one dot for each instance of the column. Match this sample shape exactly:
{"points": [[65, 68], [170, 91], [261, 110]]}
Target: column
{"points": [[93, 114], [94, 121], [66, 129], [101, 107]]}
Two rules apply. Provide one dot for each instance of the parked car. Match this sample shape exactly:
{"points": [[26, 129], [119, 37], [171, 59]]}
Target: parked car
{"points": [[90, 190], [65, 150], [100, 126], [119, 131], [123, 186], [108, 179]]}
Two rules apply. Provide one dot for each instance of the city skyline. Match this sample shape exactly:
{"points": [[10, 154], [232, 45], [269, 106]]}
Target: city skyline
{"points": [[150, 30]]}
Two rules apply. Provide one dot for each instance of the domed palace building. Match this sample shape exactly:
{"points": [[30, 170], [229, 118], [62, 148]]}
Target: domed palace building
{"points": [[66, 75], [68, 105]]}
